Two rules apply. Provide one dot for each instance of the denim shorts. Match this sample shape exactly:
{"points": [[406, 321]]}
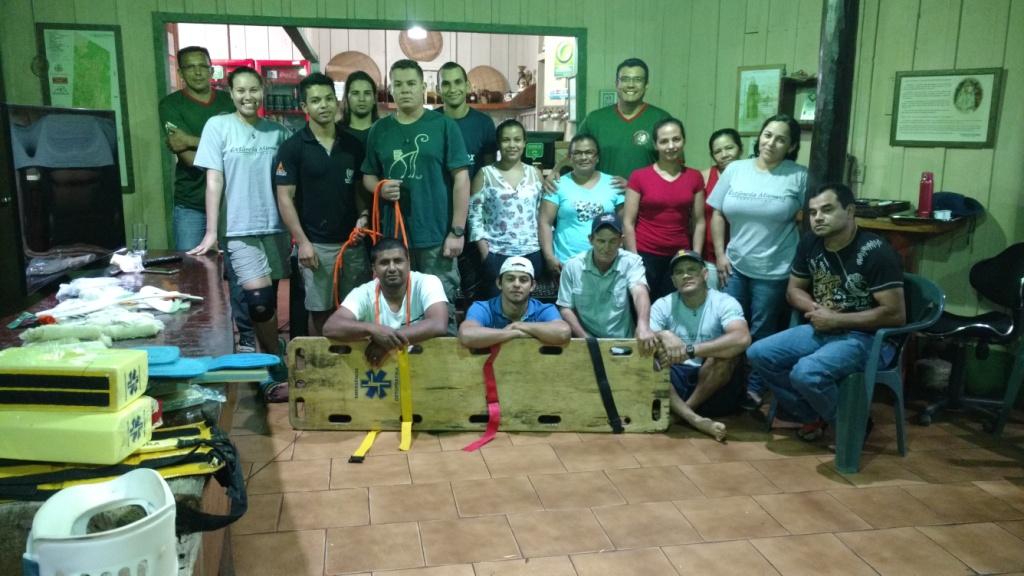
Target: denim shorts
{"points": [[725, 401]]}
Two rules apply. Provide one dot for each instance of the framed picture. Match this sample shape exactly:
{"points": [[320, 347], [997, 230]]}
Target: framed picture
{"points": [[946, 108], [757, 96], [804, 104], [606, 98], [85, 69]]}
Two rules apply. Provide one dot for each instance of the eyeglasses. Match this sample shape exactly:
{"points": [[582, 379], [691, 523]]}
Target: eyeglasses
{"points": [[632, 79], [192, 67], [584, 153], [691, 272]]}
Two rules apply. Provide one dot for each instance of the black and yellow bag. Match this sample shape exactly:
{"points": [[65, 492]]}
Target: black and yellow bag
{"points": [[192, 450]]}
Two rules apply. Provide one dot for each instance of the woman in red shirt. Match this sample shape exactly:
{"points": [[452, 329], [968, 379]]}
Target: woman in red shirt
{"points": [[664, 205], [725, 146]]}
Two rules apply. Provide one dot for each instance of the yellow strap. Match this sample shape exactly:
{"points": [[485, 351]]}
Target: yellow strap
{"points": [[360, 453], [405, 390]]}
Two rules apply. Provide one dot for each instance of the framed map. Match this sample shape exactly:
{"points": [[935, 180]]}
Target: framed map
{"points": [[85, 69]]}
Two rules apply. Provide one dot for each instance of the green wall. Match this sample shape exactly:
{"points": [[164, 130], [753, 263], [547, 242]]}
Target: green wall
{"points": [[693, 48]]}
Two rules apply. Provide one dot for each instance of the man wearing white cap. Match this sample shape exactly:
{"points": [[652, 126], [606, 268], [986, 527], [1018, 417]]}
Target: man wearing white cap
{"points": [[513, 314], [703, 335]]}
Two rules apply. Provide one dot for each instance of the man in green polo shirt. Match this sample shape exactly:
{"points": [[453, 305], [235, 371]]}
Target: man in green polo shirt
{"points": [[184, 114], [595, 287], [624, 129]]}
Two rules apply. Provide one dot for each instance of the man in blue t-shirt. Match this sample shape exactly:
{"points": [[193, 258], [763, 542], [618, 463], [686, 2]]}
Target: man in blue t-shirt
{"points": [[847, 283], [513, 314]]}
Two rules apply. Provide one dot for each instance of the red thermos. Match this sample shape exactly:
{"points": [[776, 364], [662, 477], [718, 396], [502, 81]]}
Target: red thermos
{"points": [[924, 196]]}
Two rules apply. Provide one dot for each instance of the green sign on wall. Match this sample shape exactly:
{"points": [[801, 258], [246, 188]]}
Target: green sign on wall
{"points": [[565, 59]]}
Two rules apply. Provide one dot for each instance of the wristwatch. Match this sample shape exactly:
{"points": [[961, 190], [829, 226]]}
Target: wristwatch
{"points": [[457, 231], [691, 352]]}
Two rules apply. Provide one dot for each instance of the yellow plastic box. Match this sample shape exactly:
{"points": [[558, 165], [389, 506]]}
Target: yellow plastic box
{"points": [[71, 379], [76, 437]]}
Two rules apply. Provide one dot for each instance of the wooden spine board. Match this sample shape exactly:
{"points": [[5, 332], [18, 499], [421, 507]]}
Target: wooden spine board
{"points": [[540, 389]]}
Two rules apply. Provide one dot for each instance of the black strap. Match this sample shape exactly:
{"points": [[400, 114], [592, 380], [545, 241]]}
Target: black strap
{"points": [[229, 476], [187, 519], [603, 386]]}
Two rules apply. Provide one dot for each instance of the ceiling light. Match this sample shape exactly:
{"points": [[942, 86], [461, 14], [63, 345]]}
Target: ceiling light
{"points": [[417, 33]]}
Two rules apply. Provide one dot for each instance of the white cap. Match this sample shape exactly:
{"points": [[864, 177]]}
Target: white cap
{"points": [[516, 264]]}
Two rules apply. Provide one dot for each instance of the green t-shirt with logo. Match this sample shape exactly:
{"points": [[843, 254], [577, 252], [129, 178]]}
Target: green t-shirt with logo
{"points": [[625, 144], [190, 116], [421, 155]]}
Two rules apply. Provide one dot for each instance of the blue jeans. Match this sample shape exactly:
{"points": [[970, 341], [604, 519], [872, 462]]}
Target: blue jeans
{"points": [[764, 307], [804, 367], [189, 227]]}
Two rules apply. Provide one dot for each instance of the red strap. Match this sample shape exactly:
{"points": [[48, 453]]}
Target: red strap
{"points": [[493, 408]]}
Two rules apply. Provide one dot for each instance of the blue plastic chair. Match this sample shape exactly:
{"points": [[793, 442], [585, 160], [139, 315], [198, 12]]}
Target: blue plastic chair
{"points": [[924, 303]]}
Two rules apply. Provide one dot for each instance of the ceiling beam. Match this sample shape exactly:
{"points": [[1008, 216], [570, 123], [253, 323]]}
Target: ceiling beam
{"points": [[302, 44]]}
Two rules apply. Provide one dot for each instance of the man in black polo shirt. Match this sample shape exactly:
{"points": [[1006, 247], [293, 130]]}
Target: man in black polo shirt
{"points": [[318, 183]]}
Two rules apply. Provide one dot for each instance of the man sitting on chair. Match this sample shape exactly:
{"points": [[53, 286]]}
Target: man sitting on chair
{"points": [[513, 314], [702, 334], [394, 310], [847, 283]]}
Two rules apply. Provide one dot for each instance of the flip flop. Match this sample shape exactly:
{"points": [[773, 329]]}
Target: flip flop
{"points": [[181, 368], [161, 354], [241, 361]]}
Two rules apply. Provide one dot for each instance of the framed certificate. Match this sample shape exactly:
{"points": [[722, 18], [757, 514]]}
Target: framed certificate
{"points": [[946, 108]]}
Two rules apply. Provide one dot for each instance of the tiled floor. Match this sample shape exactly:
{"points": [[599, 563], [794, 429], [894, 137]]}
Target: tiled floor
{"points": [[673, 504]]}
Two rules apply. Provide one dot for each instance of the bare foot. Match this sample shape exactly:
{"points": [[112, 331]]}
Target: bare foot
{"points": [[709, 427]]}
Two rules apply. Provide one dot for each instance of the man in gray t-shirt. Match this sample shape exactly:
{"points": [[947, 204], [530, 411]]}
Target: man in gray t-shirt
{"points": [[703, 335]]}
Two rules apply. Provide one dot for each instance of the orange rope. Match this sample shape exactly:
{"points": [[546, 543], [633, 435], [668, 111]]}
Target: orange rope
{"points": [[374, 232]]}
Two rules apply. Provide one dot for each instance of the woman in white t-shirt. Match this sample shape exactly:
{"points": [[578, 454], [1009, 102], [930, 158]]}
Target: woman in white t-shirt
{"points": [[760, 198]]}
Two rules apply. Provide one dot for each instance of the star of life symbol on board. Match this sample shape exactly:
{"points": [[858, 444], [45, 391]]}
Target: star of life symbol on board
{"points": [[375, 384], [135, 428], [133, 381]]}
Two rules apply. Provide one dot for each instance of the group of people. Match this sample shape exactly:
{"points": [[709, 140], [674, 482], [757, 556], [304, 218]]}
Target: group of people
{"points": [[701, 268]]}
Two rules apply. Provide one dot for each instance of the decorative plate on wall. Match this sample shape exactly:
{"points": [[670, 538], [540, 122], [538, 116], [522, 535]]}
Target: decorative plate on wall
{"points": [[421, 50], [485, 77], [345, 63]]}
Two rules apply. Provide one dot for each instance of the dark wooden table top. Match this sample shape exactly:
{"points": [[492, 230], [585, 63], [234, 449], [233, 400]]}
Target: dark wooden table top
{"points": [[204, 330]]}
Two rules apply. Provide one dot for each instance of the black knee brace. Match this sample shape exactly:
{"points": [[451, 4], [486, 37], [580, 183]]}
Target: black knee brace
{"points": [[262, 304]]}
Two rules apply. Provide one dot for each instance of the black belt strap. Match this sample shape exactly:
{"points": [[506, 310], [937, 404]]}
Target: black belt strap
{"points": [[603, 386]]}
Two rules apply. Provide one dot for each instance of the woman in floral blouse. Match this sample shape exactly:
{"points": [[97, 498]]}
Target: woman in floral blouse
{"points": [[503, 208]]}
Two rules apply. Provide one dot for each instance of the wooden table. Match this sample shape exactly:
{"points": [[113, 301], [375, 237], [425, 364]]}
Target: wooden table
{"points": [[205, 330], [906, 237]]}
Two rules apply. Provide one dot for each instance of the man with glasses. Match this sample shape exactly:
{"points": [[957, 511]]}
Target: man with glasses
{"points": [[702, 335], [624, 129]]}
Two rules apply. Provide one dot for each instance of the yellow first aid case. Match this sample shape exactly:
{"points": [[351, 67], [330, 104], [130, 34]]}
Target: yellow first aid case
{"points": [[71, 378], [76, 437]]}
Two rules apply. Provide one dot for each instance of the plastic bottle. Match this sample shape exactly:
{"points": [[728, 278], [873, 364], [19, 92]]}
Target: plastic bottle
{"points": [[924, 196]]}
